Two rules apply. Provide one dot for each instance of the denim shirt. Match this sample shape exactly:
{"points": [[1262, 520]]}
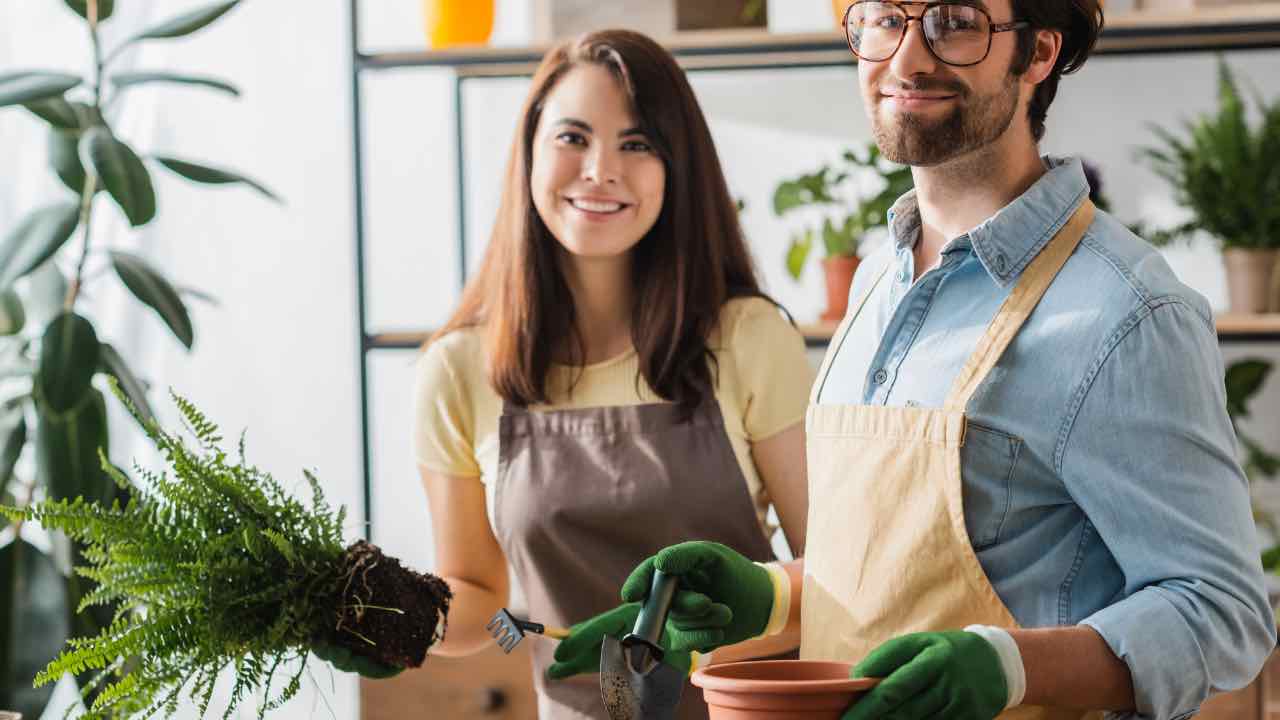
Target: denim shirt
{"points": [[1100, 479]]}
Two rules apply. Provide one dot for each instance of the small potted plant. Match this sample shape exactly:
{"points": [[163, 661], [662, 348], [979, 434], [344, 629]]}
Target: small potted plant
{"points": [[1228, 175], [850, 215]]}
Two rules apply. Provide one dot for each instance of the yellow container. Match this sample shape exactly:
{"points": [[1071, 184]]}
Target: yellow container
{"points": [[837, 8], [451, 23]]}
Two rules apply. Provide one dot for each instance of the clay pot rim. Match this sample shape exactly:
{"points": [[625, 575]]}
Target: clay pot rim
{"points": [[712, 678]]}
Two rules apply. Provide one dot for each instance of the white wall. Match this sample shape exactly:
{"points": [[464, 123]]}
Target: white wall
{"points": [[279, 355]]}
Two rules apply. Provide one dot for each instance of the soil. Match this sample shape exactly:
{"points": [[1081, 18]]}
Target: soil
{"points": [[389, 613]]}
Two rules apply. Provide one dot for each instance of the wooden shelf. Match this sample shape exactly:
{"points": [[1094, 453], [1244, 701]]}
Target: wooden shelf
{"points": [[1231, 328], [1231, 27]]}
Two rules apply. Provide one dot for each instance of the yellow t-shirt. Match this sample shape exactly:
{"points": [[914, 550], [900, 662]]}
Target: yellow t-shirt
{"points": [[764, 382]]}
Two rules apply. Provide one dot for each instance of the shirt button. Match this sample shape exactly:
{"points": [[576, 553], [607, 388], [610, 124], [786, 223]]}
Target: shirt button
{"points": [[881, 376], [1001, 263], [904, 276]]}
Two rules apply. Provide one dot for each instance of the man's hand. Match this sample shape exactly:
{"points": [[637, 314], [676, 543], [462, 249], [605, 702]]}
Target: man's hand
{"points": [[926, 675], [580, 651], [722, 598]]}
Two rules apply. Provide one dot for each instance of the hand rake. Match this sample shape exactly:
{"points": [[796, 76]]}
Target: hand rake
{"points": [[509, 630]]}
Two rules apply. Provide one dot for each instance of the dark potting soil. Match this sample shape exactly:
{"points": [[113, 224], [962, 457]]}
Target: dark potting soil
{"points": [[375, 582]]}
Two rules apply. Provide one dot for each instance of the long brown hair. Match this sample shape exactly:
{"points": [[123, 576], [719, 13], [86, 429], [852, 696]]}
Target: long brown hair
{"points": [[690, 263]]}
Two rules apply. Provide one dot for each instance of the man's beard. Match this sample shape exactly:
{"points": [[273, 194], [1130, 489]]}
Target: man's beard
{"points": [[975, 121]]}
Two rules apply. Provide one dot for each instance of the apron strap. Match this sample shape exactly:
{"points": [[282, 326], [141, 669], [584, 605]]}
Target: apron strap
{"points": [[837, 340], [1011, 316]]}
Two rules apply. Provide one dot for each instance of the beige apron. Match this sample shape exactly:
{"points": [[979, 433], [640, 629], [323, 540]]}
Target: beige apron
{"points": [[888, 550], [584, 495]]}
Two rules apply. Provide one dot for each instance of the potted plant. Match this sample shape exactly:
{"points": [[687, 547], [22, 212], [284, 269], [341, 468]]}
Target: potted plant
{"points": [[213, 566], [849, 215], [53, 415], [1228, 175]]}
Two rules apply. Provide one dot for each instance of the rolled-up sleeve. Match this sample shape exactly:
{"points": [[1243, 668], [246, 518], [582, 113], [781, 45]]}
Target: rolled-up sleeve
{"points": [[1150, 457]]}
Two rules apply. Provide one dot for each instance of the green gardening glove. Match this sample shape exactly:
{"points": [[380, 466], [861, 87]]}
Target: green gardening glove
{"points": [[955, 675], [722, 598], [580, 652], [343, 659]]}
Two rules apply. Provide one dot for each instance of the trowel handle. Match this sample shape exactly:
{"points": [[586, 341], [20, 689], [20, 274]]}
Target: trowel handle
{"points": [[653, 615]]}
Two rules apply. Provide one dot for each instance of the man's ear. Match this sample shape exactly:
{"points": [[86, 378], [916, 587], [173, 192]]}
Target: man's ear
{"points": [[1044, 55]]}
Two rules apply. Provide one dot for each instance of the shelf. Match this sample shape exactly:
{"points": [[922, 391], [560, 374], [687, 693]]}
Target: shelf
{"points": [[1231, 328], [1233, 27]]}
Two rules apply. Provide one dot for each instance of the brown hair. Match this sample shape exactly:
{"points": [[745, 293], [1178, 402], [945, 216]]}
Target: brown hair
{"points": [[1079, 21], [687, 266]]}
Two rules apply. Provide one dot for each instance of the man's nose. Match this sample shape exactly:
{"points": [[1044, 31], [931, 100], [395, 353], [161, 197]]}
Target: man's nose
{"points": [[914, 56]]}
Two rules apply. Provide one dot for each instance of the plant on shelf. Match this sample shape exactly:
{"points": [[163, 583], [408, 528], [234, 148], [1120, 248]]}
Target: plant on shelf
{"points": [[850, 214], [53, 417], [213, 566], [1228, 175], [1245, 379]]}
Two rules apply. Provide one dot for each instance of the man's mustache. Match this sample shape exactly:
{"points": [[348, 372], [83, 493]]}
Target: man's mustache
{"points": [[926, 84]]}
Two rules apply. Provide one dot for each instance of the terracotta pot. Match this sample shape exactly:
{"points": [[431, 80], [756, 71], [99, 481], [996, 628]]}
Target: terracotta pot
{"points": [[451, 23], [839, 272], [780, 690], [1249, 277]]}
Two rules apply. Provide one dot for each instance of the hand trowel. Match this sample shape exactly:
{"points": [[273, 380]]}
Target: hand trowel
{"points": [[634, 682]]}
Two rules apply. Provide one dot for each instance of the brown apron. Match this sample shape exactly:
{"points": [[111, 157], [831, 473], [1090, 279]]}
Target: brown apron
{"points": [[585, 495], [888, 552]]}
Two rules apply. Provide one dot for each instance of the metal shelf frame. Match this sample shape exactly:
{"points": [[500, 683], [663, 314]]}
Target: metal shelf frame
{"points": [[1235, 28]]}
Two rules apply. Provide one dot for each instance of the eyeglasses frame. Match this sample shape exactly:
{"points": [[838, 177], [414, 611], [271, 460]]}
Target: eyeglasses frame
{"points": [[993, 28]]}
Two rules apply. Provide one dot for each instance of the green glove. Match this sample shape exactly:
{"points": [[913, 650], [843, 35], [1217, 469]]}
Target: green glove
{"points": [[926, 675], [580, 651], [343, 659], [716, 583]]}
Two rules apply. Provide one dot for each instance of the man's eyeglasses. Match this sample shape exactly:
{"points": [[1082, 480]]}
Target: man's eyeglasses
{"points": [[957, 34]]}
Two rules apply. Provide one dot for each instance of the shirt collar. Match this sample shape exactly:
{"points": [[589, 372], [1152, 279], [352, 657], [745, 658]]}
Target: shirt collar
{"points": [[1008, 241]]}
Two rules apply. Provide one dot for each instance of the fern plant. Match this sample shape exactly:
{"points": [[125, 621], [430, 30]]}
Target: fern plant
{"points": [[213, 565], [1227, 174]]}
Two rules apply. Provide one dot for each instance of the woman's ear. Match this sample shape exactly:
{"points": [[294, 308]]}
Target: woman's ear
{"points": [[1044, 55]]}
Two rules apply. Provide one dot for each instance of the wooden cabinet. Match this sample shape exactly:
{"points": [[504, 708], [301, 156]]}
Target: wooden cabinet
{"points": [[488, 686], [1259, 701]]}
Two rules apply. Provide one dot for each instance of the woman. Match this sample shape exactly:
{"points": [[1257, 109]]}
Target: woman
{"points": [[614, 380]]}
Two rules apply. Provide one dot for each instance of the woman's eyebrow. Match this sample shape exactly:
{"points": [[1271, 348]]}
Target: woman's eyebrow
{"points": [[574, 122]]}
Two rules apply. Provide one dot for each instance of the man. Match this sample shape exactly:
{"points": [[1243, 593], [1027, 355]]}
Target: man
{"points": [[1023, 478]]}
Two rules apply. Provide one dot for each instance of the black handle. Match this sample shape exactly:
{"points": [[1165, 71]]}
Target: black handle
{"points": [[653, 614]]}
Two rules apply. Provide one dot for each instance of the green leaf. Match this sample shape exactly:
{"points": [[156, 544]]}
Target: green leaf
{"points": [[13, 436], [211, 175], [64, 157], [34, 85], [41, 234], [186, 23], [56, 111], [12, 316], [33, 625], [798, 252], [121, 172], [152, 289], [131, 79], [1244, 379], [114, 365], [67, 462], [105, 8], [69, 356]]}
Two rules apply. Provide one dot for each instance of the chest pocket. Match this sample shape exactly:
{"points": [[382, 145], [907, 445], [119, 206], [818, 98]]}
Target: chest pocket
{"points": [[987, 460]]}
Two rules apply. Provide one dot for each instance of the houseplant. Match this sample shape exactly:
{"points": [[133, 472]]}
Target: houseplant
{"points": [[849, 213], [213, 566], [1228, 175], [53, 419]]}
